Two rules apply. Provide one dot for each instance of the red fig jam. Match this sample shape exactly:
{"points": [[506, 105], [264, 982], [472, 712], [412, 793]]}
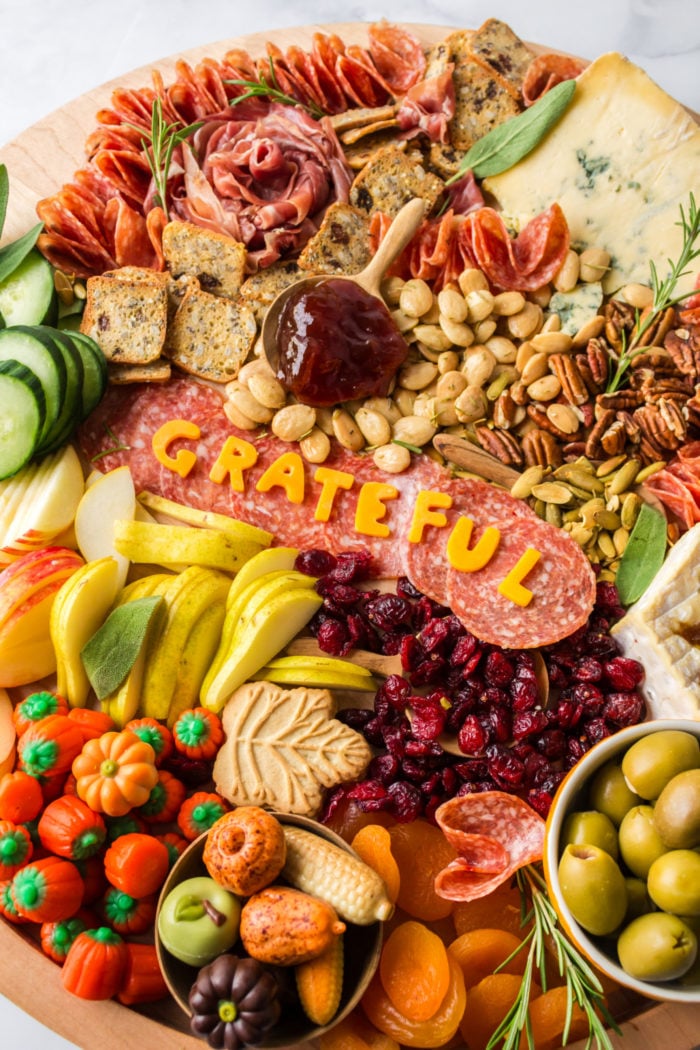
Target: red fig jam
{"points": [[336, 343]]}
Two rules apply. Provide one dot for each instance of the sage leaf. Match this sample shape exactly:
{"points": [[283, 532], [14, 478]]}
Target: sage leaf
{"points": [[113, 649], [4, 195], [643, 555], [508, 143], [17, 251]]}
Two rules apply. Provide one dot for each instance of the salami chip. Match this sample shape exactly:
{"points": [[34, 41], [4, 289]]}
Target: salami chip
{"points": [[476, 826], [398, 55], [545, 72], [562, 585], [526, 262]]}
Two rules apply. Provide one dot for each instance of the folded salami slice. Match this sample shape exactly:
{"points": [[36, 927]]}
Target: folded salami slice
{"points": [[477, 826]]}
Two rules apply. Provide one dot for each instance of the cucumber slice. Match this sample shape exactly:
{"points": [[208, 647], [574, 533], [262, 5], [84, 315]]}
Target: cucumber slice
{"points": [[94, 371], [31, 347], [69, 416], [28, 295], [22, 412]]}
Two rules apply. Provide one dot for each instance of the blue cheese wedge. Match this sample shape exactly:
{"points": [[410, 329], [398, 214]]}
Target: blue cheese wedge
{"points": [[621, 161], [577, 307], [662, 631]]}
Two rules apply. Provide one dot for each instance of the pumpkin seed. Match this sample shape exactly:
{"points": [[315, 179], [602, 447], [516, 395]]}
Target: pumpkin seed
{"points": [[522, 487], [624, 478], [551, 492]]}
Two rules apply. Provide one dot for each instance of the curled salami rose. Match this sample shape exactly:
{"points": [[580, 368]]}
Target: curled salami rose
{"points": [[545, 72], [495, 834], [263, 174]]}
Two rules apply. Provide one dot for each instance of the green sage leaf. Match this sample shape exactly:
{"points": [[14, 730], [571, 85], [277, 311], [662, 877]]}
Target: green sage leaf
{"points": [[17, 251], [114, 647], [643, 556], [4, 195], [508, 143]]}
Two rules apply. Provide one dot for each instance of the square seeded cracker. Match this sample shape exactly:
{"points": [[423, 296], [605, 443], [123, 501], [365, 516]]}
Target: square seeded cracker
{"points": [[391, 179], [126, 313], [481, 101], [217, 261], [211, 336], [341, 244], [502, 54], [262, 288]]}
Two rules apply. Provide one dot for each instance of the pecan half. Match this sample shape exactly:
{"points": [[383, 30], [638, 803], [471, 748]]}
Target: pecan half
{"points": [[619, 319], [621, 400], [657, 330], [594, 447], [662, 424], [569, 375], [683, 346], [543, 422], [614, 438], [598, 356], [541, 449], [500, 444]]}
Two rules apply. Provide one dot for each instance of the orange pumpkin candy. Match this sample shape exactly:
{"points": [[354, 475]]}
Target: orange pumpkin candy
{"points": [[115, 772], [47, 890], [95, 964]]}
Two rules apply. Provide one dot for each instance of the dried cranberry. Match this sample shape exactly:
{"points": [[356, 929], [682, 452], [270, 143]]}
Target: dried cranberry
{"points": [[355, 717], [576, 748], [525, 723], [362, 635], [405, 801], [395, 690], [315, 562], [623, 674], [589, 695], [428, 749], [541, 801], [428, 671], [494, 696], [596, 729], [465, 646], [474, 787], [552, 743], [392, 641], [384, 768], [432, 784], [394, 738], [608, 600], [498, 670], [428, 719], [366, 790], [470, 665], [504, 767], [558, 676], [473, 736], [412, 652], [332, 637], [568, 714], [426, 609], [372, 732], [405, 589], [191, 771], [588, 670], [388, 610], [524, 694], [599, 643], [448, 778], [351, 565], [500, 719], [624, 709]]}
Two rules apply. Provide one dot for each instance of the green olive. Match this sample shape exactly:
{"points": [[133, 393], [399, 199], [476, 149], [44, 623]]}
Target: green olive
{"points": [[610, 794], [657, 947], [674, 882], [591, 827], [638, 902], [653, 760], [640, 842], [677, 811], [593, 888]]}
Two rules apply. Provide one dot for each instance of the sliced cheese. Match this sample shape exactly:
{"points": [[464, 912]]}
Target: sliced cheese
{"points": [[662, 631], [621, 161]]}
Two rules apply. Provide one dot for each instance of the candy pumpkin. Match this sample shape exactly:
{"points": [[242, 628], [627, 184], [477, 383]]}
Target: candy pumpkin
{"points": [[20, 797], [69, 828], [48, 747], [37, 706], [95, 964], [57, 937], [165, 799], [143, 981], [198, 733], [154, 733], [16, 848], [198, 812], [47, 890], [137, 864], [127, 914], [115, 772]]}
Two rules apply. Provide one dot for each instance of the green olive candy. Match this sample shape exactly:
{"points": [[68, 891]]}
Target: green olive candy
{"points": [[198, 920], [657, 947], [652, 761], [593, 888], [638, 902], [640, 842], [674, 882], [589, 826], [610, 794], [677, 811]]}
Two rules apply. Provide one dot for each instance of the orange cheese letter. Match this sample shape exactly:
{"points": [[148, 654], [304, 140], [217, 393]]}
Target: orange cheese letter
{"points": [[235, 457], [458, 553], [185, 458], [426, 512], [288, 472], [332, 480], [370, 508], [512, 586]]}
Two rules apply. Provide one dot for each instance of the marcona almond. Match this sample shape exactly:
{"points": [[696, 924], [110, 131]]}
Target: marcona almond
{"points": [[566, 278], [293, 422], [415, 430], [385, 406], [415, 298], [417, 375], [452, 305], [267, 390], [472, 280], [316, 446], [250, 406], [235, 416], [536, 367], [375, 427], [451, 384], [552, 342], [505, 304], [526, 322], [347, 431], [392, 458]]}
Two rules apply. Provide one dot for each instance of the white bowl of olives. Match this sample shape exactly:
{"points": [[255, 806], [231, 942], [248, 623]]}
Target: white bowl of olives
{"points": [[622, 858]]}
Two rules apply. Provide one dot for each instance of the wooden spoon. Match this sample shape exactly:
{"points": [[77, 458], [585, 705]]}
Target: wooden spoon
{"points": [[465, 454], [395, 240]]}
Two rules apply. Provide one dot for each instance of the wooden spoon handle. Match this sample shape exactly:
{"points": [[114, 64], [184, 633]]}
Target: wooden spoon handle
{"points": [[395, 240], [470, 457], [374, 662]]}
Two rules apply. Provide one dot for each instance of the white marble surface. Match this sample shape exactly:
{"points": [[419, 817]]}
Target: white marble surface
{"points": [[53, 50]]}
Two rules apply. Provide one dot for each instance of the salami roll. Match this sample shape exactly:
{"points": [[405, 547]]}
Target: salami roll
{"points": [[478, 826], [398, 55], [546, 71]]}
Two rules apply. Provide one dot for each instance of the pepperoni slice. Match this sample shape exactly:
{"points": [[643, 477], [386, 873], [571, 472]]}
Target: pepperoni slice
{"points": [[545, 72], [398, 56], [477, 826], [523, 263]]}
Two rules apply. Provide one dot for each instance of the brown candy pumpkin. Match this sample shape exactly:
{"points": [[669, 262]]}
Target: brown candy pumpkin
{"points": [[234, 1002]]}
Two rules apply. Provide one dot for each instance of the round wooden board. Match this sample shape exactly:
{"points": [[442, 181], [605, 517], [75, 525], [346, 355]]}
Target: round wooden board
{"points": [[39, 161]]}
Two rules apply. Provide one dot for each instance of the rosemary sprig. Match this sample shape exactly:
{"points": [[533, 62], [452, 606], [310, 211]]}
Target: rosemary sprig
{"points": [[264, 88], [663, 291], [582, 985], [159, 146], [118, 446]]}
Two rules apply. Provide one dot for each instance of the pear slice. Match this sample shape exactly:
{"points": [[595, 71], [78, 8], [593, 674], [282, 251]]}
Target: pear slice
{"points": [[108, 499], [274, 559], [258, 638], [196, 658], [47, 507], [325, 663], [316, 677], [204, 519], [173, 545], [79, 609]]}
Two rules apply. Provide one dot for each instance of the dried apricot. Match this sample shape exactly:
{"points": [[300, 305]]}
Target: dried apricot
{"points": [[480, 952], [489, 1002], [414, 970], [421, 851], [373, 843], [436, 1031], [375, 1039], [343, 1036], [499, 909], [348, 818], [548, 1017]]}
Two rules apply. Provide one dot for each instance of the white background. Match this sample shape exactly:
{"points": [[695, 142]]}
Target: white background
{"points": [[53, 50]]}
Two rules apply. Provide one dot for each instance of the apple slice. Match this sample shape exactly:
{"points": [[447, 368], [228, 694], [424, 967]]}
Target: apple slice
{"points": [[106, 500], [79, 610], [8, 734], [32, 573], [48, 500]]}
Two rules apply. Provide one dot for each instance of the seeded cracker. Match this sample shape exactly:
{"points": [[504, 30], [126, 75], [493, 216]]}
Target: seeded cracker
{"points": [[211, 336], [481, 100], [155, 372], [217, 261], [127, 314], [391, 179], [341, 244], [502, 54], [263, 287]]}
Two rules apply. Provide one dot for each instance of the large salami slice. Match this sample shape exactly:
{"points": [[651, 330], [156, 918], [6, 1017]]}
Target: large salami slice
{"points": [[562, 582], [483, 828]]}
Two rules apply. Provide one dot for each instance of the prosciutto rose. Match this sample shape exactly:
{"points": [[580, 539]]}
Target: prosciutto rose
{"points": [[263, 173]]}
